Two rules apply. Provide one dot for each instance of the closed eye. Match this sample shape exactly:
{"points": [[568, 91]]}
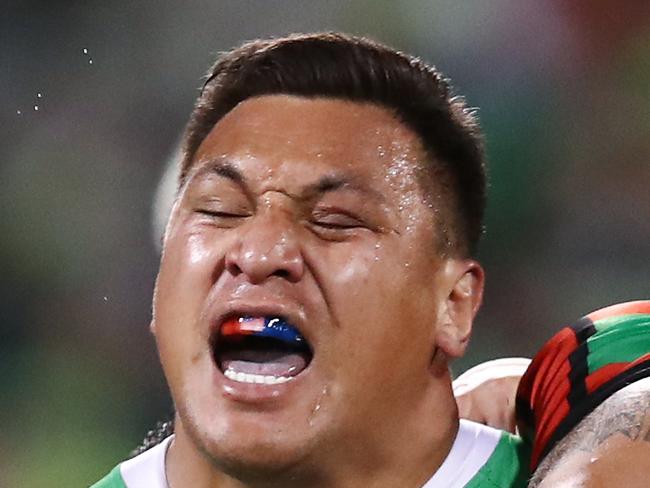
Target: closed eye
{"points": [[220, 218], [336, 225], [336, 221], [220, 214]]}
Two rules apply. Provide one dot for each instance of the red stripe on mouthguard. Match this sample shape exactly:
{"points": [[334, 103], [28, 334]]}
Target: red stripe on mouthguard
{"points": [[236, 326]]}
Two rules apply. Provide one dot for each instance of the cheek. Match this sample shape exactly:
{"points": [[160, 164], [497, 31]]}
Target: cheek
{"points": [[375, 297], [349, 274], [376, 275], [183, 285], [188, 266]]}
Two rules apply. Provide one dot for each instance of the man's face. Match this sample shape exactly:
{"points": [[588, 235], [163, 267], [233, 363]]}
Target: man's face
{"points": [[308, 210]]}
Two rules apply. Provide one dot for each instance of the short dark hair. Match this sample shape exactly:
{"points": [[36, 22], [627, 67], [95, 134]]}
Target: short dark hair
{"points": [[340, 66]]}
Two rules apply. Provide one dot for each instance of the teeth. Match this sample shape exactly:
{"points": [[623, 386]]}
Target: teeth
{"points": [[255, 378]]}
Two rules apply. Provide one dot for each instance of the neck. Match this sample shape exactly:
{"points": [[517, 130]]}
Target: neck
{"points": [[404, 451]]}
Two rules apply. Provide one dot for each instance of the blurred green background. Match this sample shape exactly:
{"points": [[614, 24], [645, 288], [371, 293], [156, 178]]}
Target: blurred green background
{"points": [[94, 96]]}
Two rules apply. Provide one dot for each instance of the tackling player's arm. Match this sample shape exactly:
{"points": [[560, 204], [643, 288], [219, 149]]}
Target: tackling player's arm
{"points": [[584, 402], [486, 392], [610, 447]]}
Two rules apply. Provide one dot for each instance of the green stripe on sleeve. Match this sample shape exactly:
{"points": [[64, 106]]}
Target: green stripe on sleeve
{"points": [[507, 467], [111, 480], [614, 344]]}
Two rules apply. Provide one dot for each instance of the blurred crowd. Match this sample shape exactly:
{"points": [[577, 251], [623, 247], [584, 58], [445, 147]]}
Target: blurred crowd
{"points": [[95, 96]]}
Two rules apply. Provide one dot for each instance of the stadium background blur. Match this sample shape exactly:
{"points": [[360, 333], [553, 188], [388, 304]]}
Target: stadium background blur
{"points": [[94, 97]]}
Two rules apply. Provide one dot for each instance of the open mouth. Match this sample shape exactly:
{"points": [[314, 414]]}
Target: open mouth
{"points": [[260, 350]]}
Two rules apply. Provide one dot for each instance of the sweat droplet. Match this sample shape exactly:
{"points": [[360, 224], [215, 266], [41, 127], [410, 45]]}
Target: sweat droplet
{"points": [[85, 51], [318, 405]]}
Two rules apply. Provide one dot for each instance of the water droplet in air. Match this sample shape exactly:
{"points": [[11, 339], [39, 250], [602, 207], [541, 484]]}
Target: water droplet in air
{"points": [[35, 108], [90, 60], [105, 298], [39, 95], [18, 112]]}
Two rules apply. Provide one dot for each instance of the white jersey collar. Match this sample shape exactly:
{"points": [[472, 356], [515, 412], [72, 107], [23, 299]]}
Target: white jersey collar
{"points": [[147, 470], [473, 446]]}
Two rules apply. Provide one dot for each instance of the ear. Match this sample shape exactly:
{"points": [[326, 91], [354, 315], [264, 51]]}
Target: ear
{"points": [[464, 279]]}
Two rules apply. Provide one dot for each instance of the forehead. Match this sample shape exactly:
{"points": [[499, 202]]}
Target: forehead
{"points": [[304, 136]]}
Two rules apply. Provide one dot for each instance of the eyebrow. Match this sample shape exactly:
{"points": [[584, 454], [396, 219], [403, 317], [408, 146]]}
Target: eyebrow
{"points": [[224, 169], [334, 182], [327, 183]]}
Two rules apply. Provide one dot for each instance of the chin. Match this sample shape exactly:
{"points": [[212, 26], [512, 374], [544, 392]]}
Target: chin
{"points": [[249, 450], [260, 460]]}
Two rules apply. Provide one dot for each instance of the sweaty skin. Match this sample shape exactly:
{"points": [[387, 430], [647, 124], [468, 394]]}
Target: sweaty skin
{"points": [[292, 210]]}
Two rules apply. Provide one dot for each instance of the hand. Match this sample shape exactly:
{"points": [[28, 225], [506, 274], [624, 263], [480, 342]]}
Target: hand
{"points": [[486, 393]]}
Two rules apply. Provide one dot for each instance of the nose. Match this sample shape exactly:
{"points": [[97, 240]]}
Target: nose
{"points": [[267, 246]]}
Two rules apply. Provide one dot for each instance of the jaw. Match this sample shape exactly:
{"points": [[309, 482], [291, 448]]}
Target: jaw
{"points": [[230, 464], [249, 428], [306, 435]]}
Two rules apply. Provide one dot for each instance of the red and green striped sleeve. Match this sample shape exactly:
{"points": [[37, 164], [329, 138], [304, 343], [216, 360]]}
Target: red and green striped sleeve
{"points": [[579, 368]]}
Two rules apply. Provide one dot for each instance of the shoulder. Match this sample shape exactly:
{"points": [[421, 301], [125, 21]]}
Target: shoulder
{"points": [[146, 470], [485, 457], [507, 466], [111, 480]]}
